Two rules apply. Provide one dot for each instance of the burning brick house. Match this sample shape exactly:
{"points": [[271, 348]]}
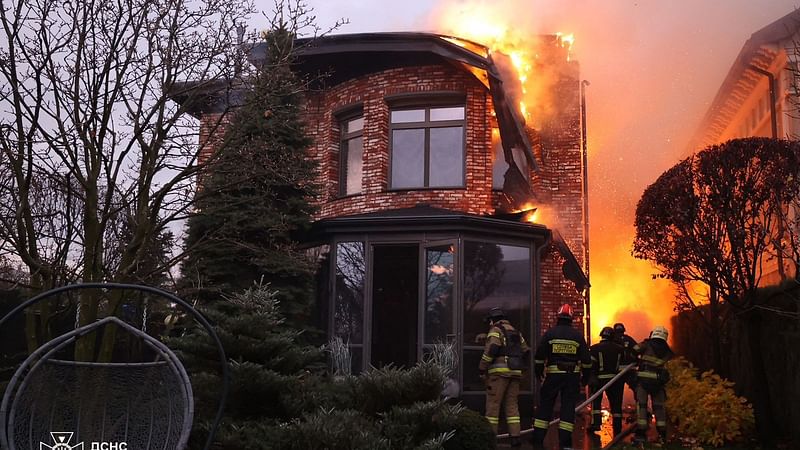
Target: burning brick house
{"points": [[759, 97], [431, 181]]}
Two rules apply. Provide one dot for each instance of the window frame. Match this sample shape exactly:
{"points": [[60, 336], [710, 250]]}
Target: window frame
{"points": [[427, 104], [344, 139]]}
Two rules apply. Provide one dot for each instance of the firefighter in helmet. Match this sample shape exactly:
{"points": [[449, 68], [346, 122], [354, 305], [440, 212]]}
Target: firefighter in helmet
{"points": [[606, 358], [652, 377], [562, 358], [505, 355]]}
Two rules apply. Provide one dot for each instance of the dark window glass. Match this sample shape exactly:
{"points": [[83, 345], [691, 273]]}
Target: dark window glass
{"points": [[495, 275], [427, 147], [348, 317], [438, 293], [447, 156], [472, 380], [352, 156], [408, 153]]}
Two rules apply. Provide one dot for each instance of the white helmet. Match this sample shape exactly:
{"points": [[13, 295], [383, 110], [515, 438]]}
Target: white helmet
{"points": [[659, 332]]}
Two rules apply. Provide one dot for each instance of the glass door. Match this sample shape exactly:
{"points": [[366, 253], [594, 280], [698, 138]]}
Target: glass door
{"points": [[438, 294], [394, 299]]}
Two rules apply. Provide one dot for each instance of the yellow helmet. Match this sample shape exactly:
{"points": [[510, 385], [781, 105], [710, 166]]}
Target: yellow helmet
{"points": [[659, 332]]}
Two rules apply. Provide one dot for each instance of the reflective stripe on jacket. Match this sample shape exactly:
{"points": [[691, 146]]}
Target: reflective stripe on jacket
{"points": [[493, 360], [653, 357], [562, 349], [606, 358]]}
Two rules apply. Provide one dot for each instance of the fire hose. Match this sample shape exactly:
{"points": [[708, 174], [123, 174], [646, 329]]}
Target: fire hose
{"points": [[585, 403]]}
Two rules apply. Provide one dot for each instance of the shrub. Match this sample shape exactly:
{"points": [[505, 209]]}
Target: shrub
{"points": [[379, 390], [472, 431], [706, 408], [334, 430]]}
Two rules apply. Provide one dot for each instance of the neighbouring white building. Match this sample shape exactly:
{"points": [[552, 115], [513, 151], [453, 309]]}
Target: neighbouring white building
{"points": [[759, 97]]}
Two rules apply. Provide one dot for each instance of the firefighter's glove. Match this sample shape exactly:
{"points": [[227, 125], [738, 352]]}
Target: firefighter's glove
{"points": [[594, 383], [482, 375]]}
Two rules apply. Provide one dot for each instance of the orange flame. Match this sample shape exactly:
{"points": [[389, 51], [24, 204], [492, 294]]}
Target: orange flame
{"points": [[531, 212], [481, 23], [622, 287], [566, 41]]}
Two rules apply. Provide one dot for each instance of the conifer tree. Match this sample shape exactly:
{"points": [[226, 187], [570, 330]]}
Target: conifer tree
{"points": [[257, 196], [281, 398], [267, 363]]}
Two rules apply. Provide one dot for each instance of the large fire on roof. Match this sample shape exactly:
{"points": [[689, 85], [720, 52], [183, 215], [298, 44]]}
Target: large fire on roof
{"points": [[619, 282]]}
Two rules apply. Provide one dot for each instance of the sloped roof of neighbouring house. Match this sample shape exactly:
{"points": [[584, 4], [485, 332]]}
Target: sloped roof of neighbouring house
{"points": [[759, 51]]}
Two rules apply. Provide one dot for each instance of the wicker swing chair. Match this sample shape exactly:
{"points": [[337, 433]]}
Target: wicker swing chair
{"points": [[146, 405]]}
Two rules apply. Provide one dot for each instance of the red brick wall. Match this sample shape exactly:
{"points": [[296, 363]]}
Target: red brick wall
{"points": [[561, 183], [557, 145], [212, 130], [370, 92]]}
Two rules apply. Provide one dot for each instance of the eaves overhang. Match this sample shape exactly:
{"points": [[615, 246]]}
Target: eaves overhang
{"points": [[423, 219], [426, 219]]}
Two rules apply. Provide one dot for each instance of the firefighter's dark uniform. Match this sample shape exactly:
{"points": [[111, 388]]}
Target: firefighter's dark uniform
{"points": [[652, 376], [628, 357], [503, 376], [561, 357], [606, 358]]}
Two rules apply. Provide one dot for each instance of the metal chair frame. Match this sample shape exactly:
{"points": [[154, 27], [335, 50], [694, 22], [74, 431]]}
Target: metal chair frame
{"points": [[34, 361]]}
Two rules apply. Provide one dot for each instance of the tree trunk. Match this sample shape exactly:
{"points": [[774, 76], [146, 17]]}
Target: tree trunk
{"points": [[92, 272], [31, 336], [716, 336]]}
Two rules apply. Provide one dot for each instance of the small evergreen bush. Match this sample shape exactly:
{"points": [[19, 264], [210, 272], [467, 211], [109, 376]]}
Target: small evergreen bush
{"points": [[471, 431], [705, 407], [380, 390]]}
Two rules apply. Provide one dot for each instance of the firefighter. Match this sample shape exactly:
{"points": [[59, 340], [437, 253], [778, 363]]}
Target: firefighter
{"points": [[652, 377], [505, 355], [606, 358], [562, 358], [629, 355]]}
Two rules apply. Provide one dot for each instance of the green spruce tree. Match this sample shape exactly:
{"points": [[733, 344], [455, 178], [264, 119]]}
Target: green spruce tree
{"points": [[281, 397], [256, 196], [271, 372]]}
